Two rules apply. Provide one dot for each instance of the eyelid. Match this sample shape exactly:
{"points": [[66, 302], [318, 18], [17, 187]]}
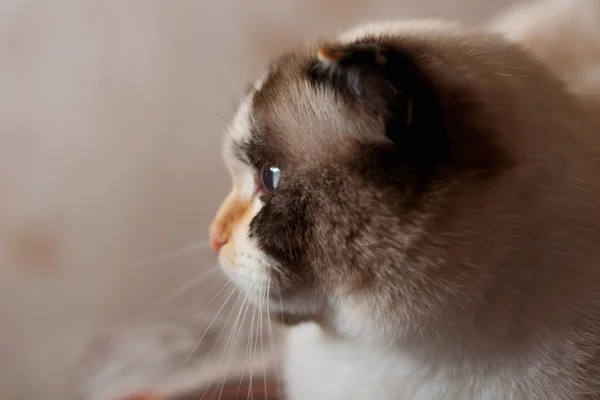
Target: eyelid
{"points": [[260, 192]]}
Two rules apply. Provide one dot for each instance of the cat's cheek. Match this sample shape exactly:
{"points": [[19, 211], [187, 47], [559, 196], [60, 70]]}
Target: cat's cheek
{"points": [[242, 260], [245, 266]]}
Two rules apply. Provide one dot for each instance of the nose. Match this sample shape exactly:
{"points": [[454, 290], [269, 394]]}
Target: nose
{"points": [[216, 241]]}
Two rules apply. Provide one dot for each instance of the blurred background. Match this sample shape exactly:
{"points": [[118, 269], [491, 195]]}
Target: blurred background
{"points": [[111, 116]]}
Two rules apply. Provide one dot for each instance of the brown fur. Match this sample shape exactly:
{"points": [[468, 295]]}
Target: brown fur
{"points": [[471, 236]]}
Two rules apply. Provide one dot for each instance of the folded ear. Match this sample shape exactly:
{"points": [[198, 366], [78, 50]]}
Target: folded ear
{"points": [[428, 109], [384, 81]]}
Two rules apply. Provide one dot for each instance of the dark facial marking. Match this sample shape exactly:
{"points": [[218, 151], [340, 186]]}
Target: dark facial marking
{"points": [[424, 119]]}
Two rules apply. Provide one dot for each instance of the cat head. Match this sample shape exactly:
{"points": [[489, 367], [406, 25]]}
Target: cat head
{"points": [[377, 175]]}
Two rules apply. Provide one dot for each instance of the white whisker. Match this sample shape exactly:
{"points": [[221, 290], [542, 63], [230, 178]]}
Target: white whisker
{"points": [[225, 326], [251, 355], [233, 84], [206, 273], [209, 325], [180, 252], [262, 339], [235, 334], [272, 339], [280, 307], [209, 303], [247, 355], [216, 115], [255, 351]]}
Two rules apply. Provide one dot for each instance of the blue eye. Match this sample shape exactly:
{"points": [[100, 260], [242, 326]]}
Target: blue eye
{"points": [[270, 176]]}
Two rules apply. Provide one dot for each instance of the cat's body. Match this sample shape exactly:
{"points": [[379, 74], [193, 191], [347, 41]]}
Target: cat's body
{"points": [[338, 369], [440, 247]]}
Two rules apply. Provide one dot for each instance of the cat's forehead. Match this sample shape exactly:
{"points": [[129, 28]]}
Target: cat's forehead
{"points": [[286, 117], [299, 113], [289, 117]]}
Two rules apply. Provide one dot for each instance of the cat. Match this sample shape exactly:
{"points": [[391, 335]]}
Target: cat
{"points": [[506, 335], [418, 201]]}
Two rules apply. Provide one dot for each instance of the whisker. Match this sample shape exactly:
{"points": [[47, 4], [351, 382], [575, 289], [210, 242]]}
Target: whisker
{"points": [[253, 363], [233, 84], [225, 326], [236, 335], [200, 277], [248, 304], [281, 308], [183, 251], [216, 115], [272, 338], [226, 145], [209, 325], [250, 356], [209, 303], [247, 355], [262, 341], [223, 329]]}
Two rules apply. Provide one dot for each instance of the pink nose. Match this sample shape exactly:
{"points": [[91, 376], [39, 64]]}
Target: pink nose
{"points": [[216, 242]]}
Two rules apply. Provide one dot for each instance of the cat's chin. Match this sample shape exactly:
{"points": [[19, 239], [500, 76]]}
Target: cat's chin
{"points": [[289, 319]]}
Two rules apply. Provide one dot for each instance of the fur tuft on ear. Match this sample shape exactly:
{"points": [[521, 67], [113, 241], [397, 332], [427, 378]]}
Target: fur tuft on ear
{"points": [[328, 55], [355, 54]]}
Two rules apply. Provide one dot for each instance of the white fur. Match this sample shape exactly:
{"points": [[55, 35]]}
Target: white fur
{"points": [[239, 129], [322, 368]]}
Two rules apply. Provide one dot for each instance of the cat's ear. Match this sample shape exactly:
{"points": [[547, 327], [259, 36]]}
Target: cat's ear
{"points": [[380, 78], [429, 117]]}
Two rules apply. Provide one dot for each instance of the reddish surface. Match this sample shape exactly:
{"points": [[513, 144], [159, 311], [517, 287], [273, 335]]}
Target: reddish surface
{"points": [[235, 391], [231, 390]]}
